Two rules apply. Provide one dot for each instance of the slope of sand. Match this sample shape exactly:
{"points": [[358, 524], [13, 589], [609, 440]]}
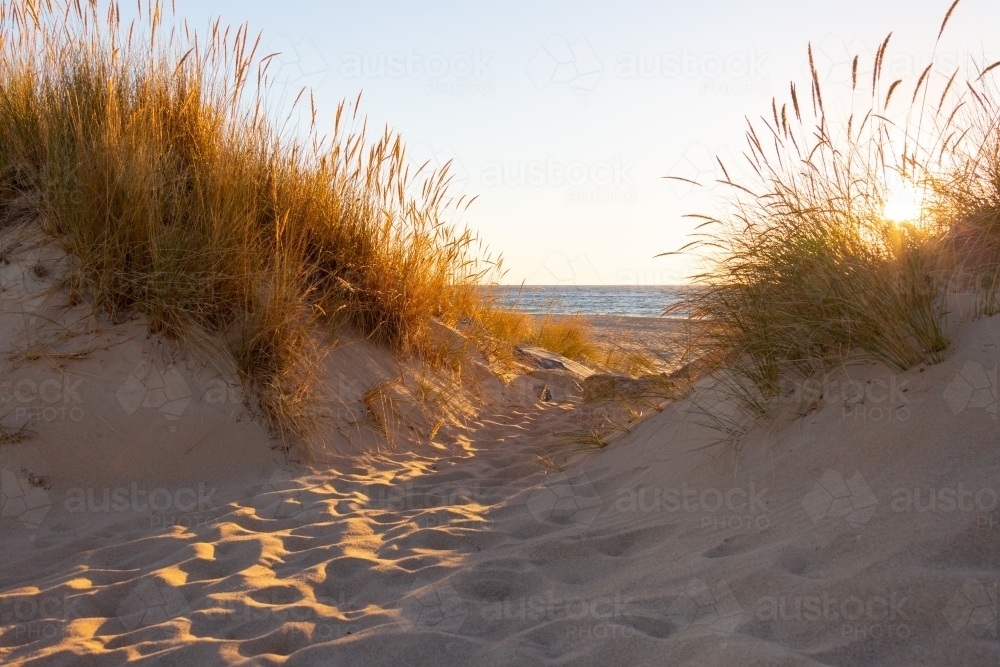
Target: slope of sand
{"points": [[489, 539]]}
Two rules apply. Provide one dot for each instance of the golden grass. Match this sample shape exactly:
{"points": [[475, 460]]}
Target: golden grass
{"points": [[630, 362], [803, 267], [567, 335], [149, 153], [498, 331]]}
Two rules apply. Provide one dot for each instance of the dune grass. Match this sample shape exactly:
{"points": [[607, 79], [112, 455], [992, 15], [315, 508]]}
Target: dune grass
{"points": [[499, 330], [149, 152], [804, 266], [567, 335]]}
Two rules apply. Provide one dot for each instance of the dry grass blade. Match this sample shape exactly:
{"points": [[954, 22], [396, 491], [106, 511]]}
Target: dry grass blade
{"points": [[154, 161], [988, 70], [9, 437], [947, 17], [806, 266]]}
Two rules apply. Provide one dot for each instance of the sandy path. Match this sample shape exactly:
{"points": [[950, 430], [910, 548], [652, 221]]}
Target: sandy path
{"points": [[858, 526], [653, 552], [296, 559]]}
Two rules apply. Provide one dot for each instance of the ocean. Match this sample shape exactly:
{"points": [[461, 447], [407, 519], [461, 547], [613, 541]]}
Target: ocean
{"points": [[643, 301]]}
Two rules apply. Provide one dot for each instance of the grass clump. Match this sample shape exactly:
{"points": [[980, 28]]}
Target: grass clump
{"points": [[967, 197], [628, 361], [568, 335], [498, 331], [150, 154], [806, 265]]}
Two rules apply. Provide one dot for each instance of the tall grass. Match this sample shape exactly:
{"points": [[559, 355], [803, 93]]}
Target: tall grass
{"points": [[967, 198], [498, 331], [153, 158], [803, 267], [568, 335]]}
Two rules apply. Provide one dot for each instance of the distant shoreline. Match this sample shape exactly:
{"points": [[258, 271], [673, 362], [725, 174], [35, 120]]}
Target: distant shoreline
{"points": [[588, 300]]}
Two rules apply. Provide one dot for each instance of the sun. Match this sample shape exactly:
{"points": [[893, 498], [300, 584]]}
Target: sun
{"points": [[904, 201]]}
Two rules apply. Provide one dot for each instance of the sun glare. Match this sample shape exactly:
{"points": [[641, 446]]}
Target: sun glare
{"points": [[904, 202]]}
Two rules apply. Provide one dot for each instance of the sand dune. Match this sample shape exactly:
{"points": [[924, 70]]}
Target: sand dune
{"points": [[149, 519]]}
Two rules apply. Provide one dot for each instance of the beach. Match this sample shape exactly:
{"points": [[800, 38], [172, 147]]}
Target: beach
{"points": [[279, 389], [152, 520]]}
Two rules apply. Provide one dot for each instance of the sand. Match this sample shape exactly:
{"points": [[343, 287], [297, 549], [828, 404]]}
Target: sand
{"points": [[858, 526]]}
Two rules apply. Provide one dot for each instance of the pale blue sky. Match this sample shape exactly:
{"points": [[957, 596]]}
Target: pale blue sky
{"points": [[564, 116]]}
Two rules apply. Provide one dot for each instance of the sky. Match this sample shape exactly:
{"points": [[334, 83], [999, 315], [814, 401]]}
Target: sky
{"points": [[564, 117]]}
